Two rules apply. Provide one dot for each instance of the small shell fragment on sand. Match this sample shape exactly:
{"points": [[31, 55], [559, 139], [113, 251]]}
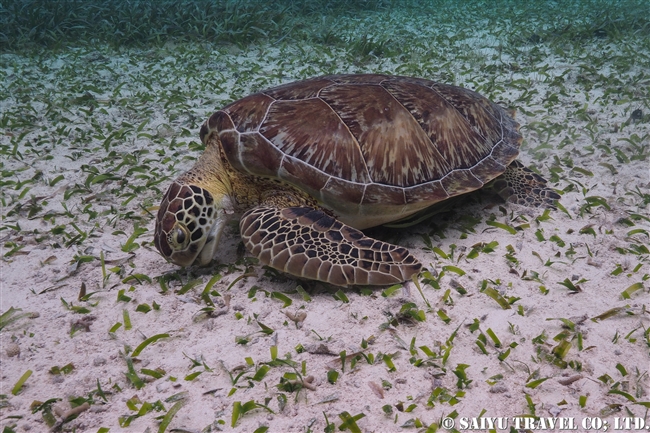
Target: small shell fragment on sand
{"points": [[12, 349]]}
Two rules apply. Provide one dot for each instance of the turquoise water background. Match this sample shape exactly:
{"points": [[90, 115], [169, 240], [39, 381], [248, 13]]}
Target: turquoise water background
{"points": [[53, 23]]}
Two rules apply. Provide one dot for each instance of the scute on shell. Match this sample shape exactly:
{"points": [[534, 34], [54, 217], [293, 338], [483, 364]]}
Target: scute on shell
{"points": [[364, 145]]}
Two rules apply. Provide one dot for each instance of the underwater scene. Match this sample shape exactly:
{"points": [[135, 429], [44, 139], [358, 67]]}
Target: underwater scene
{"points": [[439, 222]]}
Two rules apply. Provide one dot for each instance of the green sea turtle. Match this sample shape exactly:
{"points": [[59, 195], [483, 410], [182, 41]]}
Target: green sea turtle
{"points": [[307, 165]]}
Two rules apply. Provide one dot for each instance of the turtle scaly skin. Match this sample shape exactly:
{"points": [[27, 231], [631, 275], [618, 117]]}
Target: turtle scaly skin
{"points": [[308, 164], [308, 243]]}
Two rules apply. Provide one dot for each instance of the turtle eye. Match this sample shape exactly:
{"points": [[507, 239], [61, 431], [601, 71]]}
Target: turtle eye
{"points": [[179, 236]]}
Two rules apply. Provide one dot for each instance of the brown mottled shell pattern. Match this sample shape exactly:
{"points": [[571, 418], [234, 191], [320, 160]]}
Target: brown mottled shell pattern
{"points": [[372, 148]]}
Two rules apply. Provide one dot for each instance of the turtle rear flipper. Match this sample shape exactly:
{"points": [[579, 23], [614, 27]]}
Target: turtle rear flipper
{"points": [[308, 243], [519, 184]]}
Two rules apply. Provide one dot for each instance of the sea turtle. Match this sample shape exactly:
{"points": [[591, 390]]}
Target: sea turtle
{"points": [[309, 164]]}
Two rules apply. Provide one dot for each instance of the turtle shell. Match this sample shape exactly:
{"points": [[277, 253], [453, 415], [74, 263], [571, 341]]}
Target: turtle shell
{"points": [[372, 148]]}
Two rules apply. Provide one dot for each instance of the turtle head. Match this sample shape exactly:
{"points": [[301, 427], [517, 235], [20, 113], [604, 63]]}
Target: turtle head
{"points": [[189, 224]]}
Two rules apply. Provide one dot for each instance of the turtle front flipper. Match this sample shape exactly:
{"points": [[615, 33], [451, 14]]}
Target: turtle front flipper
{"points": [[308, 243], [519, 184]]}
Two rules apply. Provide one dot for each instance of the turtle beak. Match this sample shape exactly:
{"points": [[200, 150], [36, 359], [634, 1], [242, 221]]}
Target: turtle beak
{"points": [[209, 249]]}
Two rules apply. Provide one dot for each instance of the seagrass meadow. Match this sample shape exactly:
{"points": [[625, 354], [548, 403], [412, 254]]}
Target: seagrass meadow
{"points": [[520, 313]]}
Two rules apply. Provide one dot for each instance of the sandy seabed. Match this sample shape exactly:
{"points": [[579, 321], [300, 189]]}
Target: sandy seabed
{"points": [[564, 275]]}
